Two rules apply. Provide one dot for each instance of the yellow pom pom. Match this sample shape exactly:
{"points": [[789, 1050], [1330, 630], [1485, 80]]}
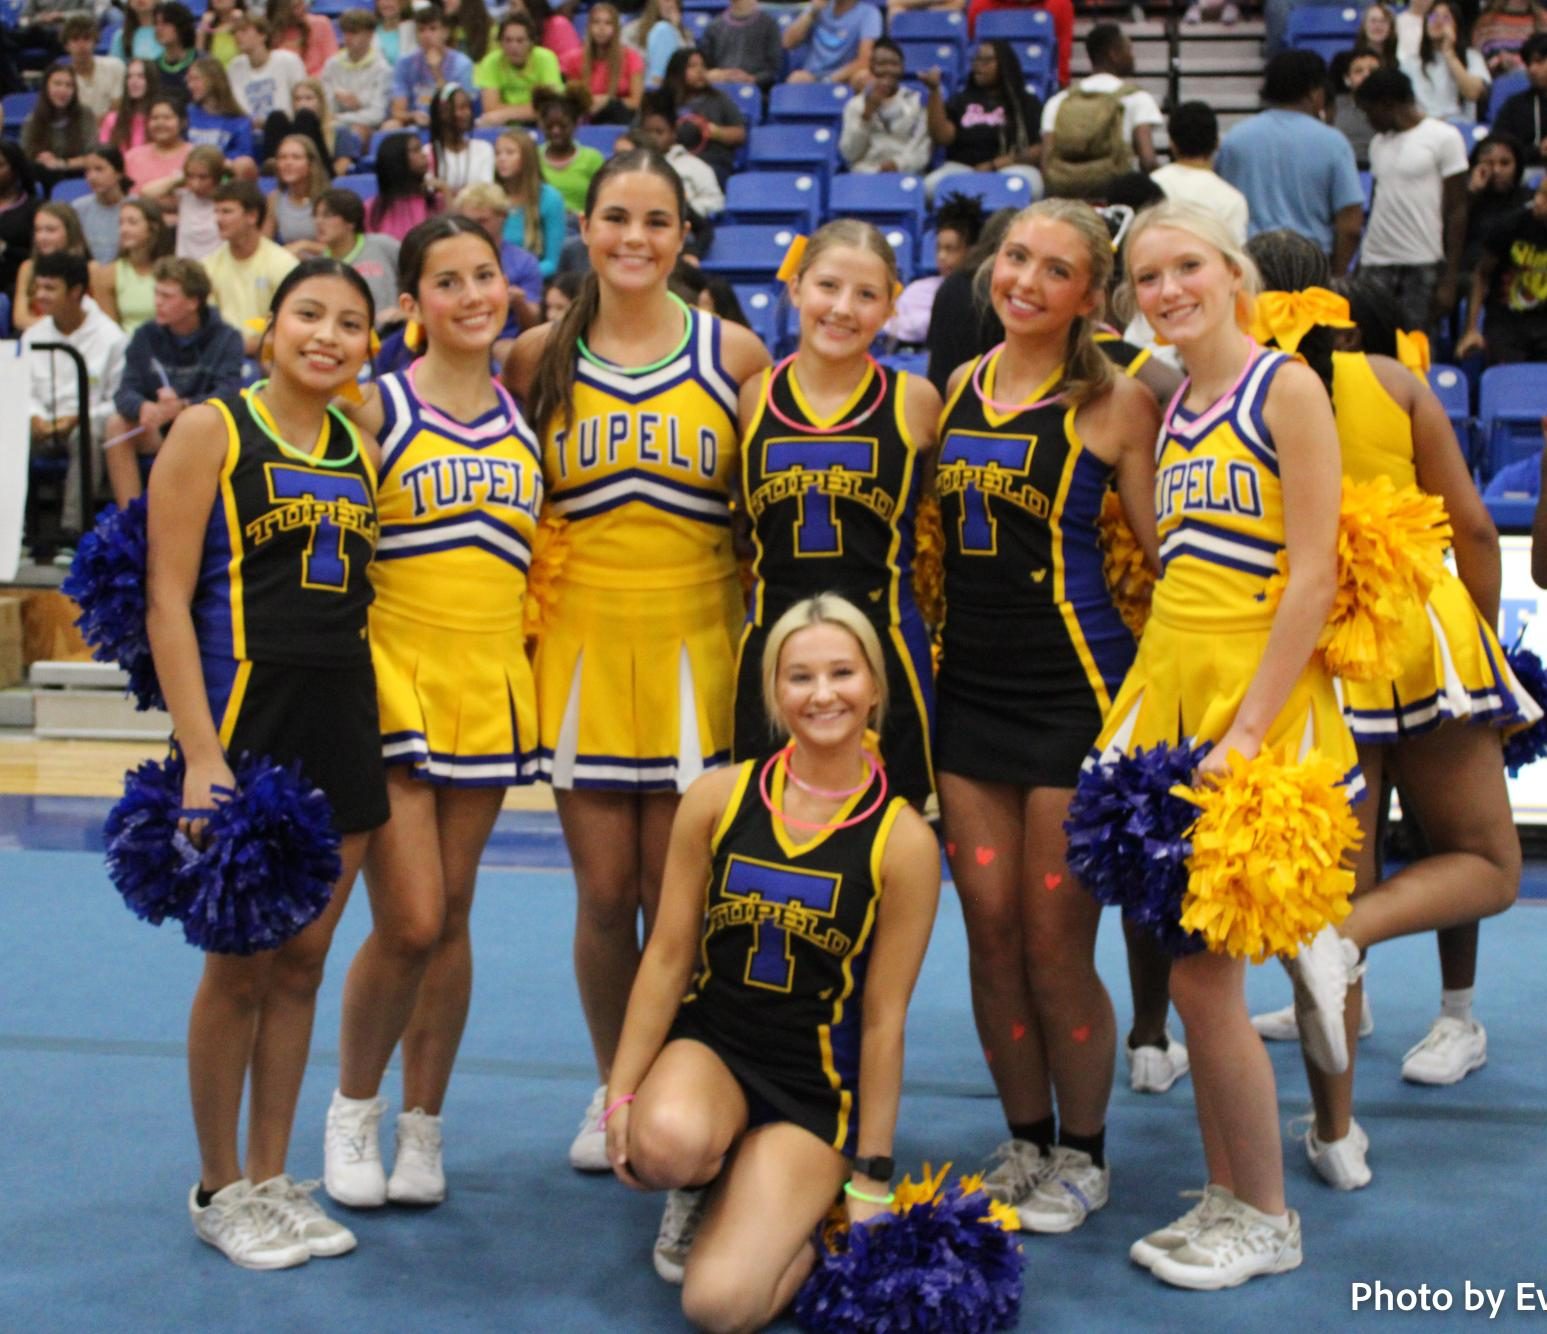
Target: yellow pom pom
{"points": [[929, 562], [550, 549], [1128, 574], [1267, 869]]}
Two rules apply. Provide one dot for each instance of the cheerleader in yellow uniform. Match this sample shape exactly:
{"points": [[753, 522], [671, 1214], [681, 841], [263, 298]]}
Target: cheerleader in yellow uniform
{"points": [[1247, 468], [461, 487], [1414, 728], [633, 396]]}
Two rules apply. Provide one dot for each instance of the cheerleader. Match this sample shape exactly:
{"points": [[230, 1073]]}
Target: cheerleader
{"points": [[1434, 729], [834, 451], [633, 395], [1247, 468], [1034, 432], [460, 492], [257, 623], [761, 1058]]}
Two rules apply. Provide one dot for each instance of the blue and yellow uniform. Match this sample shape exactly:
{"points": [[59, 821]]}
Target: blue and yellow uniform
{"points": [[1454, 667], [636, 664], [459, 503], [1219, 507], [279, 608], [1033, 647], [779, 992], [834, 513]]}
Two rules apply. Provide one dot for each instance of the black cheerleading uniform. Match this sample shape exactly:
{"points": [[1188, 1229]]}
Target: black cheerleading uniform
{"points": [[779, 992], [1127, 357], [1033, 648], [279, 609], [834, 513]]}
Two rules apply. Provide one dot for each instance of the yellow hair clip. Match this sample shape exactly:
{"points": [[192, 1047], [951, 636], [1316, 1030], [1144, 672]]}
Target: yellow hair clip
{"points": [[1286, 318], [1413, 351], [896, 289], [374, 346], [789, 266], [413, 335], [352, 393]]}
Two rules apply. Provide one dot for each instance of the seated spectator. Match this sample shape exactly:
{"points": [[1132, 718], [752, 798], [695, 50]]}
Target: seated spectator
{"points": [[184, 355], [1061, 12], [1449, 77], [468, 21], [190, 196], [884, 127], [658, 130], [1347, 72], [420, 76], [559, 294], [958, 224], [1097, 128], [215, 36], [457, 159], [55, 231], [1410, 29], [18, 205], [837, 35], [262, 79], [1524, 115], [721, 125], [1494, 191], [357, 81], [340, 220], [300, 178], [292, 27], [124, 126], [99, 79], [566, 165], [487, 205], [657, 34], [126, 289], [744, 45], [990, 124], [53, 405], [1501, 31], [555, 30], [166, 147], [1377, 35], [1194, 133], [33, 28], [136, 40], [337, 145], [404, 197], [610, 75], [394, 36], [247, 266], [216, 118], [511, 72], [536, 218], [98, 211], [59, 129], [1507, 318], [177, 31]]}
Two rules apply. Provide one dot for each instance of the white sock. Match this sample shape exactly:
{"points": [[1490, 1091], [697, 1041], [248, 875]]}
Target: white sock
{"points": [[342, 1101], [1457, 1004]]}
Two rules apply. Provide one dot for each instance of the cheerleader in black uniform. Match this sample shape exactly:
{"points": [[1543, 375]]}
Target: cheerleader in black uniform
{"points": [[802, 891], [262, 525], [833, 455], [1033, 434]]}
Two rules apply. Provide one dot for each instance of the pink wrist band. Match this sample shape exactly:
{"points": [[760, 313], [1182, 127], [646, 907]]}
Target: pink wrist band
{"points": [[613, 1106]]}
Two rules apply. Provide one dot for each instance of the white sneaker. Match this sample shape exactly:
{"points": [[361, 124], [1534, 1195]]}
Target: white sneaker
{"points": [[1020, 1171], [417, 1175], [1449, 1052], [1340, 1162], [1236, 1246], [1213, 1201], [588, 1150], [1153, 1069], [1071, 1190], [292, 1201], [1321, 973], [351, 1152], [247, 1234], [1280, 1026], [679, 1224]]}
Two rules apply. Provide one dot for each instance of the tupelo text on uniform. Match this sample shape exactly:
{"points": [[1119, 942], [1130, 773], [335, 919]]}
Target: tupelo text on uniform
{"points": [[1522, 1298]]}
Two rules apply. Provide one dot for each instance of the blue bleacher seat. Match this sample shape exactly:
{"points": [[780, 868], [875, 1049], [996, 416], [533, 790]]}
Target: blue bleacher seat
{"points": [[1505, 87], [793, 198], [1337, 21], [712, 6], [1039, 65], [748, 98], [1450, 387], [748, 254], [914, 363], [996, 189], [807, 103], [812, 148], [69, 190], [18, 106], [944, 56], [329, 8], [697, 22], [924, 257], [489, 133], [381, 137], [1472, 132], [1510, 405], [363, 183], [1328, 48], [884, 198], [5, 315], [922, 25], [1367, 184], [603, 138], [903, 246], [1011, 24], [760, 304]]}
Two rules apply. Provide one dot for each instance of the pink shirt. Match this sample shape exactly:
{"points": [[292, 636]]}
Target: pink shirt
{"points": [[398, 218], [633, 63], [146, 163], [321, 43], [559, 36], [136, 129]]}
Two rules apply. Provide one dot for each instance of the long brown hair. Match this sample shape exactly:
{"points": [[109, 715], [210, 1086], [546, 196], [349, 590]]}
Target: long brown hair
{"points": [[614, 52], [128, 108], [525, 190], [219, 100]]}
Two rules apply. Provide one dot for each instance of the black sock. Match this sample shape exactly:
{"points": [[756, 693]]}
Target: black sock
{"points": [[203, 1197], [1042, 1133], [1095, 1145], [1163, 1042]]}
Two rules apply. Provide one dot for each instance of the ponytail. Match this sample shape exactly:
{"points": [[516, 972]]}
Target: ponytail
{"points": [[554, 385]]}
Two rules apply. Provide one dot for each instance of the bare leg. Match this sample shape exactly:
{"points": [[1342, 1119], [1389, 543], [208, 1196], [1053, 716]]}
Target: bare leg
{"points": [[222, 1030], [656, 812], [686, 1115], [1458, 956], [1149, 981]]}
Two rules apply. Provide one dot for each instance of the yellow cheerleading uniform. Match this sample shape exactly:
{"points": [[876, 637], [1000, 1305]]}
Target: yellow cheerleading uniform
{"points": [[636, 666], [458, 504], [1454, 666], [1220, 515]]}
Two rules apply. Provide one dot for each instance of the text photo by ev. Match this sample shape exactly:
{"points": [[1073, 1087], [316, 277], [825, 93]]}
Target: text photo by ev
{"points": [[1522, 1298]]}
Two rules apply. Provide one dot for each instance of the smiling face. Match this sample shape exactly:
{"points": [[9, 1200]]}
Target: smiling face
{"points": [[163, 126], [1377, 25], [985, 66], [886, 70], [48, 234], [463, 296], [1185, 288], [291, 165], [1041, 280], [321, 334], [133, 230], [844, 297], [634, 232], [824, 687]]}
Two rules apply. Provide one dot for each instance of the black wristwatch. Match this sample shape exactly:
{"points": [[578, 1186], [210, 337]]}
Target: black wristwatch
{"points": [[877, 1168]]}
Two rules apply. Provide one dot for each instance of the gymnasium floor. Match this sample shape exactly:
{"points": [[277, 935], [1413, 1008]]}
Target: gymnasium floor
{"points": [[96, 1146]]}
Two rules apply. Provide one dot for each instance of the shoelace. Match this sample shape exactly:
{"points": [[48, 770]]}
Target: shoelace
{"points": [[418, 1143], [684, 1210], [1019, 1170], [354, 1135], [268, 1218]]}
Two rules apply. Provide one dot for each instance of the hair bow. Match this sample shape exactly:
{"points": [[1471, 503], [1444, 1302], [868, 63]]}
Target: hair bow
{"points": [[1413, 351], [1286, 317]]}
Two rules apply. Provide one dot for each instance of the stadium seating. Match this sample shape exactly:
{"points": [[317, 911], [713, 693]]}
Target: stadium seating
{"points": [[1511, 402], [1015, 25], [812, 148], [996, 189], [1450, 387], [748, 253], [1505, 87], [793, 198], [884, 198], [923, 25], [807, 104]]}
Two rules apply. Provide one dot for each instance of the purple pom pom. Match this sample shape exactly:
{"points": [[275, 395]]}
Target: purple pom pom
{"points": [[1530, 744], [142, 859], [1126, 838], [107, 580], [939, 1267]]}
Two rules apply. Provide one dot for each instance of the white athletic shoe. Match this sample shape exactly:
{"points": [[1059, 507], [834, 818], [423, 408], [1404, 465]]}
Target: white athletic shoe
{"points": [[1071, 1190], [1153, 1069], [588, 1150], [1280, 1026], [247, 1232], [1236, 1246], [1340, 1162], [351, 1152], [679, 1225], [1448, 1053], [1021, 1170], [1322, 972], [417, 1175], [292, 1201], [1213, 1202]]}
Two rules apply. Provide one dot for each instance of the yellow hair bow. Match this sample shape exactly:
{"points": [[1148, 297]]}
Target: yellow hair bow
{"points": [[1286, 317], [789, 266], [1413, 351]]}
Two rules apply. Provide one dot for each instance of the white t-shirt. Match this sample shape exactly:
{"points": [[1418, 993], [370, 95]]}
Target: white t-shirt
{"points": [[1410, 167], [473, 165], [1193, 185], [1139, 108], [262, 91], [1434, 86]]}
